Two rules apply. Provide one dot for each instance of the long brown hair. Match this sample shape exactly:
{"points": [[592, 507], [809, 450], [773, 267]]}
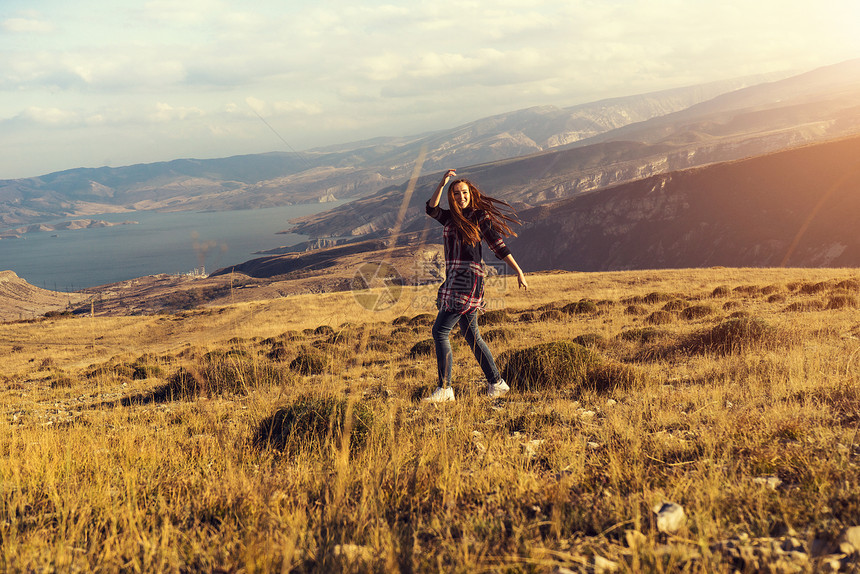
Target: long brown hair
{"points": [[469, 231]]}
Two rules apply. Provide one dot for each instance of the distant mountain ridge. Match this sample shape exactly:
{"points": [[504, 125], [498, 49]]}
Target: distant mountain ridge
{"points": [[813, 107], [797, 208], [343, 171]]}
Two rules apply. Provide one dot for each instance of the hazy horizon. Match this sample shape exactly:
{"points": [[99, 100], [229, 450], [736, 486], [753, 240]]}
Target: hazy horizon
{"points": [[90, 85]]}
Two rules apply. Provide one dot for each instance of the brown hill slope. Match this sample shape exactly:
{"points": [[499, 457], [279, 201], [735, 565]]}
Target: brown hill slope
{"points": [[20, 300], [799, 207]]}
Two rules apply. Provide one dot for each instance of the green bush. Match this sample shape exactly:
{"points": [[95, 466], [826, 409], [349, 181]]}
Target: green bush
{"points": [[311, 422]]}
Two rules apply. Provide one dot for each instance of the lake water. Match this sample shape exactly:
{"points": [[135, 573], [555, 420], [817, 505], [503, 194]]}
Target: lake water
{"points": [[161, 243]]}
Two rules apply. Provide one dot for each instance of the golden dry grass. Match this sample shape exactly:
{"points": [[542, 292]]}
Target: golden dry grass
{"points": [[107, 467]]}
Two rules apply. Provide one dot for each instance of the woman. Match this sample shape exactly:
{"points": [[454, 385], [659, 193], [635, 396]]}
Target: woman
{"points": [[472, 217]]}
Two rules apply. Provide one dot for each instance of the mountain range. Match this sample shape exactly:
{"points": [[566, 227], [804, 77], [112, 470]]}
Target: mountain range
{"points": [[754, 172], [343, 171]]}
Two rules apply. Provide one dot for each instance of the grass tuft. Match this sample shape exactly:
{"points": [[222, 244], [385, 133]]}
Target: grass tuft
{"points": [[311, 422]]}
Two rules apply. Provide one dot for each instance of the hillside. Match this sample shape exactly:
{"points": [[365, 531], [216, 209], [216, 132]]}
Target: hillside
{"points": [[20, 300], [658, 421], [799, 208]]}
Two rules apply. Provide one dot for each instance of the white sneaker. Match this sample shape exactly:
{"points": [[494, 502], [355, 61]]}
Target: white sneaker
{"points": [[440, 395], [498, 389]]}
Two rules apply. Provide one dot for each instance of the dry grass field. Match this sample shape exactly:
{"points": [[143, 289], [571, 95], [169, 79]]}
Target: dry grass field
{"points": [[287, 435]]}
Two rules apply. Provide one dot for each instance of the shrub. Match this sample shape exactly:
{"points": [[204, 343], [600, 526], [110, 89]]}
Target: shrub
{"points": [[583, 307], [563, 364], [736, 335], [324, 330], [527, 317], [310, 422], [720, 291], [635, 310], [496, 335], [143, 372], [674, 305], [776, 298], [660, 318], [646, 335], [61, 381], [842, 302], [801, 306], [696, 312], [378, 345], [814, 288], [425, 347], [344, 336], [495, 317], [308, 363], [551, 315], [278, 352], [747, 290], [422, 319], [401, 320], [111, 371], [849, 285], [590, 340], [656, 297]]}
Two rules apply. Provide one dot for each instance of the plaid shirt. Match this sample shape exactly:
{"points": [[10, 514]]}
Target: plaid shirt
{"points": [[463, 289]]}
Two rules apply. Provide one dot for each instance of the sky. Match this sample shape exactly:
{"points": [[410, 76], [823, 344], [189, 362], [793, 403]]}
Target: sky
{"points": [[90, 83]]}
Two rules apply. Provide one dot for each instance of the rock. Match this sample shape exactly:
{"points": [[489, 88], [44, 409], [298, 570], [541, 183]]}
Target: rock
{"points": [[611, 402], [772, 482], [594, 445], [603, 566], [670, 517], [850, 540], [531, 448]]}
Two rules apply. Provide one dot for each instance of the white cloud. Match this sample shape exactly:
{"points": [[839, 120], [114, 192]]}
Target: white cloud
{"points": [[51, 117], [27, 26], [166, 113]]}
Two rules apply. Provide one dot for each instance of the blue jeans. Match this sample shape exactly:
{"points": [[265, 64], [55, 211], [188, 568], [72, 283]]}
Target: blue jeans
{"points": [[445, 321]]}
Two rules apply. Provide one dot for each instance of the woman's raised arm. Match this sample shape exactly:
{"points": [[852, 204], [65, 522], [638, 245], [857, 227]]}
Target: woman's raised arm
{"points": [[437, 195]]}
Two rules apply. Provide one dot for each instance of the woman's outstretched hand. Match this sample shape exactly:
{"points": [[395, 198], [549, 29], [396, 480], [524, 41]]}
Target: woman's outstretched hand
{"points": [[521, 281], [448, 175]]}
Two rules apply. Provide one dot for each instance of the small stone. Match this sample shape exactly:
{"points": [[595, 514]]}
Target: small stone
{"points": [[602, 565], [772, 482], [670, 517], [611, 402], [587, 414], [594, 445], [851, 536]]}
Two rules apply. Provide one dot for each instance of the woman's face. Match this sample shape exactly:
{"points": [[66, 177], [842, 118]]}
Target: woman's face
{"points": [[460, 194]]}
